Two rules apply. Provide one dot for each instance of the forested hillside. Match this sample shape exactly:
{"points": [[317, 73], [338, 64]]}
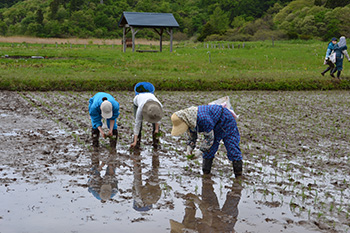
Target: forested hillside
{"points": [[201, 20]]}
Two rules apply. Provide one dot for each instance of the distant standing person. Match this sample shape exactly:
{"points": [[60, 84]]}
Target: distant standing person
{"points": [[327, 61], [216, 123], [146, 107], [103, 105], [340, 49]]}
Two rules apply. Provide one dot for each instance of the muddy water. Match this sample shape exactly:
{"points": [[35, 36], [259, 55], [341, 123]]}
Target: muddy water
{"points": [[296, 171]]}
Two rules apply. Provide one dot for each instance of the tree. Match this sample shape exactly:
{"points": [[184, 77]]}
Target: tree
{"points": [[39, 16], [208, 29], [336, 3], [76, 5], [54, 8], [3, 28], [318, 2], [219, 20]]}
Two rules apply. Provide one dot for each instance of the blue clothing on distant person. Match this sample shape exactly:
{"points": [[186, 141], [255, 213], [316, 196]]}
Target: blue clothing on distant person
{"points": [[329, 49], [95, 110], [340, 50], [217, 120]]}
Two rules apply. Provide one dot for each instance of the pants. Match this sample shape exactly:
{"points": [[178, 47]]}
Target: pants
{"points": [[154, 137], [230, 136]]}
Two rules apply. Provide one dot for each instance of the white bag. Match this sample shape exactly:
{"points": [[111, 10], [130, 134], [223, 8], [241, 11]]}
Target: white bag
{"points": [[225, 102], [332, 57]]}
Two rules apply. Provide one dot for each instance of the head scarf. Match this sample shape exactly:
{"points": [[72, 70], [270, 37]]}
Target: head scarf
{"points": [[342, 41], [189, 116]]}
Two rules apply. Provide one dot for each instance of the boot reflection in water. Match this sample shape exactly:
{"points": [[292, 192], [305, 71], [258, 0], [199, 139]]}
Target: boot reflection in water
{"points": [[102, 187], [145, 196], [113, 141], [214, 218]]}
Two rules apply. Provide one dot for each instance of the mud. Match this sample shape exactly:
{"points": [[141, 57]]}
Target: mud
{"points": [[296, 167]]}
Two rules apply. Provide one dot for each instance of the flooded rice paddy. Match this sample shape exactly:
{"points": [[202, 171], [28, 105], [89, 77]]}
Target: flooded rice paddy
{"points": [[296, 167]]}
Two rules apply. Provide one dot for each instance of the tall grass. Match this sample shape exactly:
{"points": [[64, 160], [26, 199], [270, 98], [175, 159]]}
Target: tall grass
{"points": [[288, 65]]}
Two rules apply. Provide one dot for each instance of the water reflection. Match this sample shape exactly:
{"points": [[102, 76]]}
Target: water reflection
{"points": [[214, 218], [103, 187], [145, 196]]}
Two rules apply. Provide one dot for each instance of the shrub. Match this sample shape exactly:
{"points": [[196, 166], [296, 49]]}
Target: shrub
{"points": [[268, 35], [3, 28], [214, 37], [179, 36]]}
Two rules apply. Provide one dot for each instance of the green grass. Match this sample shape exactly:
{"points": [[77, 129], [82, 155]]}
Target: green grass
{"points": [[288, 65]]}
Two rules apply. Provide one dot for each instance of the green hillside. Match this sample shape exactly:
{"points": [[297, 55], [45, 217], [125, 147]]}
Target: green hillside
{"points": [[203, 20]]}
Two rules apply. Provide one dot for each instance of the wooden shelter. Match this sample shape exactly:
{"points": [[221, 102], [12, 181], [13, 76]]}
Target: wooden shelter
{"points": [[135, 21]]}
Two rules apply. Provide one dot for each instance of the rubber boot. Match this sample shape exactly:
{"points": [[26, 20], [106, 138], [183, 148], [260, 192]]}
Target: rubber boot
{"points": [[138, 143], [333, 71], [237, 167], [325, 71], [206, 166], [338, 74], [113, 140], [155, 137], [95, 136]]}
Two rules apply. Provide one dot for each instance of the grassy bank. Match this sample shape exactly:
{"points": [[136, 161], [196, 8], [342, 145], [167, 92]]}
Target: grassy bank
{"points": [[288, 65]]}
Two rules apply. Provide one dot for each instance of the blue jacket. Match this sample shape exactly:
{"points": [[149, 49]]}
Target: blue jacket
{"points": [[95, 111], [329, 49]]}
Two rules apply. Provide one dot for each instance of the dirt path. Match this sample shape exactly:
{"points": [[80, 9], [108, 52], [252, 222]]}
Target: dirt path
{"points": [[295, 147]]}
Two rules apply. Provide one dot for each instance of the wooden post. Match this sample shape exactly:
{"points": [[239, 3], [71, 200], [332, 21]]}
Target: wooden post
{"points": [[171, 40], [133, 38], [161, 40], [170, 32], [133, 32], [124, 45]]}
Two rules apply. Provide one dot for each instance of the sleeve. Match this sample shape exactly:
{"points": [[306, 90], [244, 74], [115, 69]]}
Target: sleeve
{"points": [[115, 111], [208, 141], [95, 116], [191, 138], [138, 121], [329, 51], [346, 54]]}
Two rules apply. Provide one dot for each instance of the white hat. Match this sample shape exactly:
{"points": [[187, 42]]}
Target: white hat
{"points": [[105, 192], [106, 109], [152, 111]]}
